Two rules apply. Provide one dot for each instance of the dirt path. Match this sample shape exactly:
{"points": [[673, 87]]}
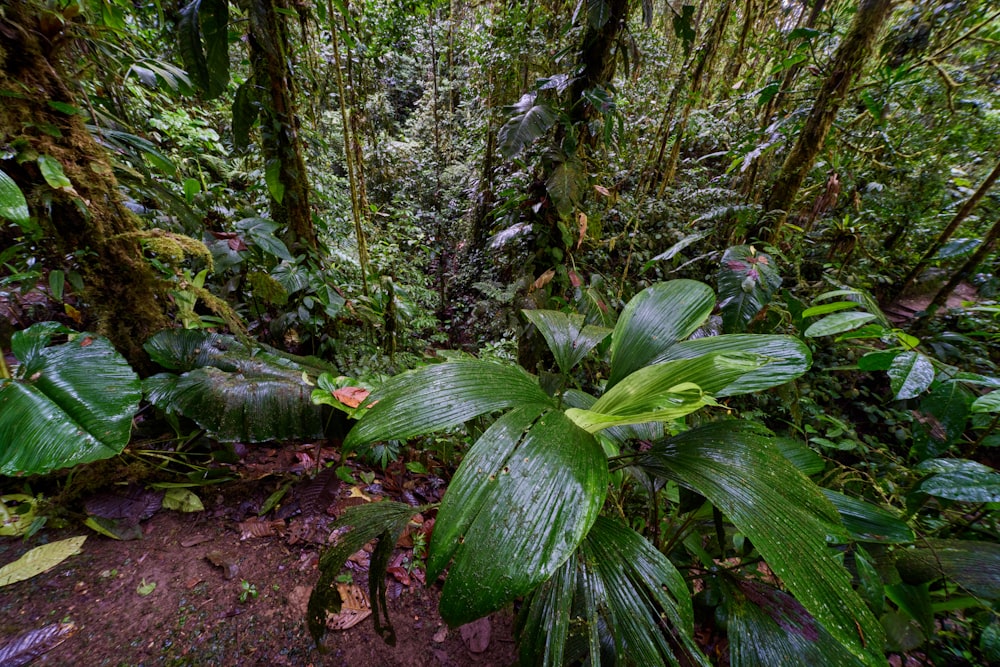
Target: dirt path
{"points": [[202, 589]]}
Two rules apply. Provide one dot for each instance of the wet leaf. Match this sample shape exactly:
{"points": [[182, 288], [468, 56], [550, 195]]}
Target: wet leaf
{"points": [[28, 646], [910, 374], [13, 205], [838, 323], [40, 559], [960, 479]]}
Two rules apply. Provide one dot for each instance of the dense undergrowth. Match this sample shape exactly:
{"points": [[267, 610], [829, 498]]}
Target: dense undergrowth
{"points": [[758, 441]]}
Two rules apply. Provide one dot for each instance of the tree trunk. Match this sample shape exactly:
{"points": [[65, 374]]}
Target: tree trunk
{"points": [[86, 227], [964, 271], [960, 216], [848, 62], [280, 123], [595, 60]]}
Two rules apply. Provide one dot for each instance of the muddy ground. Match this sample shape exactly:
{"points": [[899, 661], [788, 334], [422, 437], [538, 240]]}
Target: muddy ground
{"points": [[224, 586]]}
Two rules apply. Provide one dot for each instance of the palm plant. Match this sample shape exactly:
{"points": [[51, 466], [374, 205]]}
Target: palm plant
{"points": [[527, 516]]}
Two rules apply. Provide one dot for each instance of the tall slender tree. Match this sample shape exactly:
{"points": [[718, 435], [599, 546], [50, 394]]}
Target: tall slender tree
{"points": [[847, 63]]}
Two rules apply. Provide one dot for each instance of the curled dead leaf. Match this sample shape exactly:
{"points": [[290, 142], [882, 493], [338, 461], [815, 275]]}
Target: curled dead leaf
{"points": [[543, 279]]}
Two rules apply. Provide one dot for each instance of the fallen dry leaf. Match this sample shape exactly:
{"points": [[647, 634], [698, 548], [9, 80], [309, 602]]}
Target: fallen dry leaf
{"points": [[352, 397], [354, 608]]}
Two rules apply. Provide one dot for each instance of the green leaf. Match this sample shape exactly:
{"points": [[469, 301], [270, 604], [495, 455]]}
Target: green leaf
{"points": [[664, 392], [988, 403], [655, 319], [70, 404], [272, 176], [182, 500], [868, 523], [910, 374], [57, 282], [747, 279], [828, 308], [208, 63], [13, 205], [736, 467], [253, 405], [261, 231], [246, 109], [40, 559], [125, 142], [520, 503], [781, 359], [437, 397], [568, 338], [880, 360], [800, 455], [973, 565], [564, 184], [53, 172], [383, 521], [531, 122], [838, 323], [769, 627], [960, 479]]}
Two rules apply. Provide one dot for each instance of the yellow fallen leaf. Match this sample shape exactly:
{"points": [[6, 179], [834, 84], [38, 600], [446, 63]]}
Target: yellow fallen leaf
{"points": [[356, 492], [40, 559]]}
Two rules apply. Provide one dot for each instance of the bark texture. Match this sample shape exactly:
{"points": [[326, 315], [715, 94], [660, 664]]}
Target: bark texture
{"points": [[86, 227], [847, 63]]}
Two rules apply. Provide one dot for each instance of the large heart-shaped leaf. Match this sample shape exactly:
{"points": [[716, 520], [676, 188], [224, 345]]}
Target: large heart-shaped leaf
{"points": [[568, 337], [783, 358], [747, 280], [441, 396], [69, 404], [784, 514], [530, 122], [524, 497], [269, 404], [655, 319]]}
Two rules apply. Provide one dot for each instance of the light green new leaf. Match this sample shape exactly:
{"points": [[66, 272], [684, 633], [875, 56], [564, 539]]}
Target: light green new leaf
{"points": [[70, 404], [13, 205], [664, 391], [442, 396], [564, 186], [655, 319], [519, 505], [40, 559], [781, 359], [838, 323], [182, 500], [272, 176], [827, 308], [910, 374], [568, 338], [988, 403], [784, 514]]}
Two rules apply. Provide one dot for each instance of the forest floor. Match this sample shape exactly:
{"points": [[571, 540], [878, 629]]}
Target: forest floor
{"points": [[224, 586]]}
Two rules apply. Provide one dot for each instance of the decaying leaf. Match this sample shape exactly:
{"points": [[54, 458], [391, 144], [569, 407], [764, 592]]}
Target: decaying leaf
{"points": [[354, 609], [28, 646], [40, 559], [352, 397], [257, 527], [543, 280]]}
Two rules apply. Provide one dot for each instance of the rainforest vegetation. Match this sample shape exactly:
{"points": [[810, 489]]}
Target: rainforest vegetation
{"points": [[692, 306]]}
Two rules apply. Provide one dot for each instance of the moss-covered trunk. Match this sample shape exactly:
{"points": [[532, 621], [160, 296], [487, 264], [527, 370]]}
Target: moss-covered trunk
{"points": [[85, 226], [847, 63], [282, 144]]}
